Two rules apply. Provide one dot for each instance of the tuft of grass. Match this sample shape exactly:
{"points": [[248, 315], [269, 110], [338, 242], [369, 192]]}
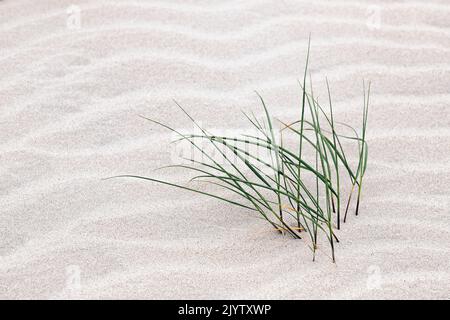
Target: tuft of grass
{"points": [[299, 191]]}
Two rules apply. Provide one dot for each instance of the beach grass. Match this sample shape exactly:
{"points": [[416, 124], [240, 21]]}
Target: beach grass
{"points": [[297, 190]]}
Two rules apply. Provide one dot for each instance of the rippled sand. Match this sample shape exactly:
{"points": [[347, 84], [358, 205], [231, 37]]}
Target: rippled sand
{"points": [[71, 90]]}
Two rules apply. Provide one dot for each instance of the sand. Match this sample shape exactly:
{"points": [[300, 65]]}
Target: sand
{"points": [[75, 75]]}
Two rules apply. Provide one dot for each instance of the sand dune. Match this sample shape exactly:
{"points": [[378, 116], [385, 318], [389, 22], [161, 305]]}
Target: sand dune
{"points": [[73, 84]]}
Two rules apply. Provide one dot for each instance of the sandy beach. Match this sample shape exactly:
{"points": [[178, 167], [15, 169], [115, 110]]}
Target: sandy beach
{"points": [[76, 75]]}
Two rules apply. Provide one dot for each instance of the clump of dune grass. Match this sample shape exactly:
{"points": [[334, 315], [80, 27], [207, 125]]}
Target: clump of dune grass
{"points": [[299, 191]]}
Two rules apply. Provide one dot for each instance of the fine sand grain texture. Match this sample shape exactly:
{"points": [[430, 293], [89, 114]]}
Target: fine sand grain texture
{"points": [[75, 75]]}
